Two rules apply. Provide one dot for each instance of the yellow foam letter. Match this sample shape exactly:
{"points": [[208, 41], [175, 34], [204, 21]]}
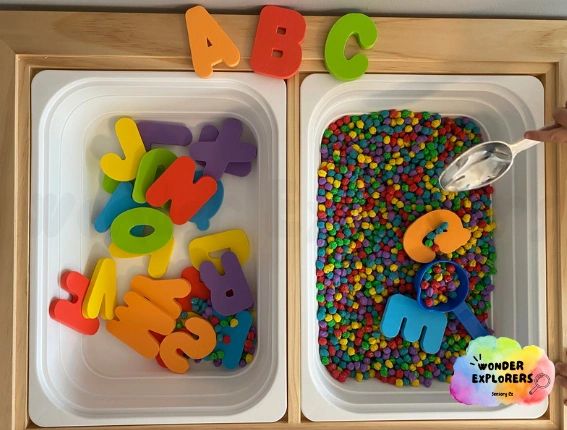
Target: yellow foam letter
{"points": [[200, 249], [159, 259], [101, 295], [133, 147]]}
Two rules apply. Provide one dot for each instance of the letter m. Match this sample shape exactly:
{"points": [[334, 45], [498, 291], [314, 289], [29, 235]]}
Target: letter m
{"points": [[404, 314]]}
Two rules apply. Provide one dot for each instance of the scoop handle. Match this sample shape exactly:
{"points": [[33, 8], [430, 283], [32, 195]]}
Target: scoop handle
{"points": [[522, 145], [469, 321]]}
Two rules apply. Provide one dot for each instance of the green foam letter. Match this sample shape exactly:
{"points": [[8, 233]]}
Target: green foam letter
{"points": [[121, 230], [152, 164], [364, 29]]}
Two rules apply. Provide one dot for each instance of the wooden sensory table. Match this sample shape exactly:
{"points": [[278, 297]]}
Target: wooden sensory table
{"points": [[34, 41]]}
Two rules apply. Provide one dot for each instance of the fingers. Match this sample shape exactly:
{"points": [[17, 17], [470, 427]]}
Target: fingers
{"points": [[534, 134], [561, 377], [553, 132], [560, 117], [554, 135], [561, 369], [561, 381]]}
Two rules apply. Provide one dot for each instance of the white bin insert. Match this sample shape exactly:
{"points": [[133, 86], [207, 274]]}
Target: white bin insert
{"points": [[504, 107], [97, 380]]}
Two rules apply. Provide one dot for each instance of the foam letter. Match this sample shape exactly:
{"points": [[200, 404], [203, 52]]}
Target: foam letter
{"points": [[152, 164], [360, 25], [120, 201], [101, 295], [199, 343], [109, 184], [162, 292], [136, 320], [158, 262], [230, 292], [233, 349], [208, 42], [280, 31], [68, 312], [202, 218], [209, 133], [417, 321], [201, 248], [198, 289], [176, 184], [164, 133], [226, 149], [449, 241], [121, 230], [131, 142]]}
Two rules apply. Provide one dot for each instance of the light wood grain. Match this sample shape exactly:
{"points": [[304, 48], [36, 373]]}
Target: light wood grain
{"points": [[552, 243], [21, 250], [384, 425], [122, 41], [562, 236], [182, 64], [402, 40], [7, 255], [561, 101], [293, 253]]}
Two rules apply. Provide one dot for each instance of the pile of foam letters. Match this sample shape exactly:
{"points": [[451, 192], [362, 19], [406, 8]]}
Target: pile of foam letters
{"points": [[153, 189]]}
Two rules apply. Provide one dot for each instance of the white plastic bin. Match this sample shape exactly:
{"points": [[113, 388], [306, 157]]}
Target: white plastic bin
{"points": [[97, 380], [504, 106]]}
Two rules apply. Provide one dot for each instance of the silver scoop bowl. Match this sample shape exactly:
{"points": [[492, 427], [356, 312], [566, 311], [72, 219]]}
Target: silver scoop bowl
{"points": [[481, 165]]}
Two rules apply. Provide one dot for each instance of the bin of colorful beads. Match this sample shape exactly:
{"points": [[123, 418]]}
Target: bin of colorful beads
{"points": [[372, 153]]}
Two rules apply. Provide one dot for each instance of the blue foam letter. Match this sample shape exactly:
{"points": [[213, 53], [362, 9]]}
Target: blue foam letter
{"points": [[233, 349], [403, 313], [210, 208], [120, 201]]}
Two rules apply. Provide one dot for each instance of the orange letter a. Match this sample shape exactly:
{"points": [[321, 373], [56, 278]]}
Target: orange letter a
{"points": [[208, 42]]}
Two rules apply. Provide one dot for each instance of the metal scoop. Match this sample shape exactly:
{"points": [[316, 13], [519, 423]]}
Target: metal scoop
{"points": [[481, 165]]}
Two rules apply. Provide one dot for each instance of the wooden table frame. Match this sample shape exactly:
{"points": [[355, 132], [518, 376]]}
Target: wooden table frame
{"points": [[32, 41]]}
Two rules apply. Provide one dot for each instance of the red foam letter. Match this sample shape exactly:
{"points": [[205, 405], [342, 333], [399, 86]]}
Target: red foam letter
{"points": [[69, 312], [176, 184], [277, 46]]}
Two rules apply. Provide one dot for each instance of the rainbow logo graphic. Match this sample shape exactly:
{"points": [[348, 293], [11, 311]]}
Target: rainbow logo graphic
{"points": [[498, 371]]}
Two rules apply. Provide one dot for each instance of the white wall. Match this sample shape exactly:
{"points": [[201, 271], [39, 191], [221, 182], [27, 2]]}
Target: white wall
{"points": [[495, 8]]}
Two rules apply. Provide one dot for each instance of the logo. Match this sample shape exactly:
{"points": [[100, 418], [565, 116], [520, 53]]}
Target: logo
{"points": [[498, 371], [542, 381]]}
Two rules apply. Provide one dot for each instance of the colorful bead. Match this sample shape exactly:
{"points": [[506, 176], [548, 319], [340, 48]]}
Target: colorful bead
{"points": [[204, 309]]}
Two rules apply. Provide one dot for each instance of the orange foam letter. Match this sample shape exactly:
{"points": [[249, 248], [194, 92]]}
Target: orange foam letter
{"points": [[162, 292], [208, 42], [455, 236], [199, 343], [135, 320]]}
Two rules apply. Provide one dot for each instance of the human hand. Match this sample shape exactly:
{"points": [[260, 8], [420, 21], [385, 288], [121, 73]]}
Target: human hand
{"points": [[561, 377], [556, 133]]}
